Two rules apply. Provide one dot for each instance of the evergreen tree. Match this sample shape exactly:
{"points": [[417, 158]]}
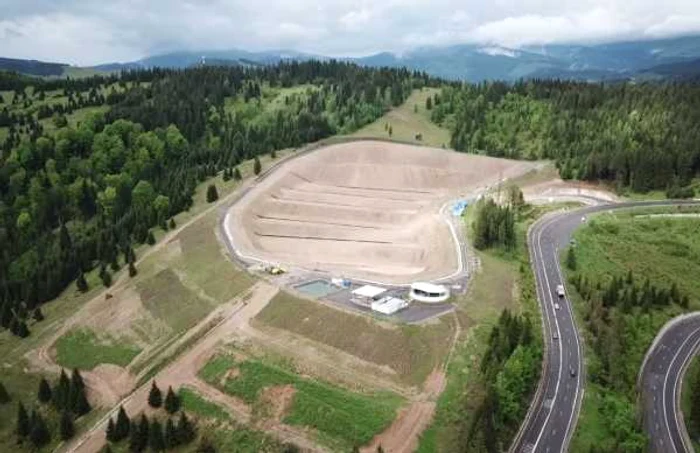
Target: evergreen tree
{"points": [[237, 174], [185, 430], [106, 277], [39, 434], [111, 431], [132, 269], [138, 440], [81, 283], [37, 315], [172, 401], [121, 428], [150, 239], [257, 166], [4, 396], [155, 397], [205, 446], [212, 194], [82, 405], [172, 224], [429, 103], [61, 392], [171, 437], [155, 436], [391, 131], [227, 175], [66, 427], [571, 258], [44, 395], [22, 428]]}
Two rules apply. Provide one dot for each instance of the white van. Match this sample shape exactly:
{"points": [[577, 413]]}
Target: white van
{"points": [[560, 290]]}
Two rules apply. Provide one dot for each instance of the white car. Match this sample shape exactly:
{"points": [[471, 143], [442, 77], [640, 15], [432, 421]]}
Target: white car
{"points": [[560, 290], [556, 306]]}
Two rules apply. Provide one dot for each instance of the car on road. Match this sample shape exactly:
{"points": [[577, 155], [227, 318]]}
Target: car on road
{"points": [[555, 336], [556, 306], [572, 372], [560, 291]]}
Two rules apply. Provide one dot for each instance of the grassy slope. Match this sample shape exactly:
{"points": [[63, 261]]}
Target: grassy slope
{"points": [[412, 351], [345, 418], [406, 123], [665, 250], [83, 349]]}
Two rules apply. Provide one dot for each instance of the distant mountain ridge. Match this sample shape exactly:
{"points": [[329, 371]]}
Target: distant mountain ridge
{"points": [[642, 59]]}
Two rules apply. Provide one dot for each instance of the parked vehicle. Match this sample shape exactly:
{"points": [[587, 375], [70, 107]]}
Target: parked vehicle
{"points": [[560, 290]]}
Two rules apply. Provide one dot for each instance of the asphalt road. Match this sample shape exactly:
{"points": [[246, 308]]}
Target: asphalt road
{"points": [[661, 379], [552, 417]]}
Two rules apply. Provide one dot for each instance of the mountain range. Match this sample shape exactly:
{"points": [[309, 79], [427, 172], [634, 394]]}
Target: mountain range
{"points": [[642, 59]]}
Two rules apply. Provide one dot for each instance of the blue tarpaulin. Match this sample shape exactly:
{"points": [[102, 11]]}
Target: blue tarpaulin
{"points": [[459, 207]]}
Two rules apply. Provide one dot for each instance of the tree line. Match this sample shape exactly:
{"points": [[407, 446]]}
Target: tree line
{"points": [[80, 197], [639, 136]]}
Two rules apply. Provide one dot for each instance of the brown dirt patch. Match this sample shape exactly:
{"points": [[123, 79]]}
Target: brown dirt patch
{"points": [[364, 209], [233, 373], [107, 384], [404, 433], [277, 401]]}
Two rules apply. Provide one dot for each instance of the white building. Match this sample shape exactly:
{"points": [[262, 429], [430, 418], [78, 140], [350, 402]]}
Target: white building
{"points": [[429, 293], [389, 305], [366, 295]]}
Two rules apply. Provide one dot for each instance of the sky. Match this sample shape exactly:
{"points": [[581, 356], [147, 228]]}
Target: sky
{"points": [[87, 32]]}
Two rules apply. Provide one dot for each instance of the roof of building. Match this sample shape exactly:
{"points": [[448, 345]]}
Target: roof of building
{"points": [[368, 291], [389, 304], [429, 287]]}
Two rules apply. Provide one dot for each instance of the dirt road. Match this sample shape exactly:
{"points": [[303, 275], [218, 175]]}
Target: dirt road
{"points": [[183, 372]]}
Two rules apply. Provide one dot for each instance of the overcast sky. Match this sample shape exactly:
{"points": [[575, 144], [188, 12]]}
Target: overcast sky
{"points": [[92, 31]]}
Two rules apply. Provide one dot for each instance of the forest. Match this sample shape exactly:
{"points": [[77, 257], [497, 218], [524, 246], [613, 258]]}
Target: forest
{"points": [[78, 195], [637, 137]]}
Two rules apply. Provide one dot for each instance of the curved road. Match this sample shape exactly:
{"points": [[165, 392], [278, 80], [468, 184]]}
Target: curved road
{"points": [[553, 413]]}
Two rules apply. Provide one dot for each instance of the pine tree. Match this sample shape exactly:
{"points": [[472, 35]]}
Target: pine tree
{"points": [[155, 397], [237, 174], [44, 395], [571, 259], [155, 436], [132, 269], [150, 239], [205, 446], [22, 329], [106, 277], [171, 437], [212, 194], [121, 429], [82, 405], [185, 430], [227, 175], [81, 283], [4, 396], [61, 392], [23, 426], [111, 431], [172, 401], [138, 440], [67, 429], [257, 166], [37, 315], [172, 224], [429, 103], [39, 434]]}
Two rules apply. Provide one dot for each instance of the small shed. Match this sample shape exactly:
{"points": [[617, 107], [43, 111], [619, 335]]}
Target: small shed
{"points": [[389, 305]]}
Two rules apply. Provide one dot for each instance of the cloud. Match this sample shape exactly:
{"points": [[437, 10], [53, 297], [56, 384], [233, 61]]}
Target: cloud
{"points": [[89, 32]]}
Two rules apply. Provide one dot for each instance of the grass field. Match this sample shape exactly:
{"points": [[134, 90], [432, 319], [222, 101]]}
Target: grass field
{"points": [[407, 120], [411, 351], [665, 250], [82, 349], [200, 407], [338, 414]]}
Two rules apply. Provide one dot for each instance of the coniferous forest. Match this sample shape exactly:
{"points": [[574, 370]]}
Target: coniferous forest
{"points": [[78, 195], [635, 136]]}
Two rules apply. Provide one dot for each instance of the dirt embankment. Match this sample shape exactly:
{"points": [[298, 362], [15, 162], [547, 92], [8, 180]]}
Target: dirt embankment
{"points": [[363, 209]]}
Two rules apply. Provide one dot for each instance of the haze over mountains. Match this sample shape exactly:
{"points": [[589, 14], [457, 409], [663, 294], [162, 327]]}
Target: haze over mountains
{"points": [[671, 57]]}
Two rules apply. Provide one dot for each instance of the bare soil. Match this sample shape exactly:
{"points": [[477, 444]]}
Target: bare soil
{"points": [[363, 209]]}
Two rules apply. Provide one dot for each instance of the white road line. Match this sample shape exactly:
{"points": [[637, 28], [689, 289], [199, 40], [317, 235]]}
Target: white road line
{"points": [[580, 381], [663, 389], [677, 377]]}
